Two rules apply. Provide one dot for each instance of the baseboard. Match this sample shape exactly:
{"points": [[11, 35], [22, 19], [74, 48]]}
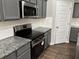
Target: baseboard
{"points": [[67, 42], [51, 43]]}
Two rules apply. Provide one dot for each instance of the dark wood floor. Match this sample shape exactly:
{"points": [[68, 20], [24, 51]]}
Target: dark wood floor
{"points": [[60, 51]]}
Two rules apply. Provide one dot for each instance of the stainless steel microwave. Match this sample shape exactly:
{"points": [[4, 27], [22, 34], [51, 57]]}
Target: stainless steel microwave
{"points": [[27, 9]]}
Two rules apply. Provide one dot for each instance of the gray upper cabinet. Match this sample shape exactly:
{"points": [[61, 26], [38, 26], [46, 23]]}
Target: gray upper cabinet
{"points": [[39, 8], [76, 0], [76, 10], [33, 1], [10, 9], [1, 10], [44, 8], [12, 56]]}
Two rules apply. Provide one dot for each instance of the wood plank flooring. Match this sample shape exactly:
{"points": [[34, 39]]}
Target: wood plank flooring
{"points": [[60, 51]]}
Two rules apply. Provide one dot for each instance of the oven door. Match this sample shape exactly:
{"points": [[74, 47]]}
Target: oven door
{"points": [[38, 48]]}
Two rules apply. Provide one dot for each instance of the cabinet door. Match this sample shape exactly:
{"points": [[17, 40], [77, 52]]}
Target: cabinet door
{"points": [[2, 58], [23, 49], [11, 9], [39, 8], [11, 56], [76, 10], [77, 49], [49, 37], [46, 40], [1, 11], [74, 34], [33, 1], [25, 55], [44, 8]]}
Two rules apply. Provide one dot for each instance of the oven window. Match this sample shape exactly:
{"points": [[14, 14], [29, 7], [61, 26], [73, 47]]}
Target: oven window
{"points": [[29, 11]]}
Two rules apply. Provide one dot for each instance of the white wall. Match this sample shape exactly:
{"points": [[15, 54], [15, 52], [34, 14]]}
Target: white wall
{"points": [[4, 33]]}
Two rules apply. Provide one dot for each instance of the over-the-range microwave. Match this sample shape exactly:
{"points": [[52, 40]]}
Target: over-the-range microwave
{"points": [[27, 9]]}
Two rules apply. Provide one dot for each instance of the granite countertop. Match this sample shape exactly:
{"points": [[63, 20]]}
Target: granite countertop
{"points": [[42, 29], [11, 44]]}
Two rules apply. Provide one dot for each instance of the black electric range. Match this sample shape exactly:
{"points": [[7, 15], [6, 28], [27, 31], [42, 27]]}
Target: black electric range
{"points": [[36, 37], [33, 35]]}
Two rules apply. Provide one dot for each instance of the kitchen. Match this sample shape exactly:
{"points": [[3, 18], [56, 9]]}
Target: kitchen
{"points": [[45, 18]]}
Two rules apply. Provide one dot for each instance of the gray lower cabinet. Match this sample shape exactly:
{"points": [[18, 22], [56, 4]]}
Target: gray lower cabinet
{"points": [[24, 52], [21, 53], [47, 36], [11, 56], [25, 55], [10, 9], [77, 49], [74, 34], [23, 49], [46, 40]]}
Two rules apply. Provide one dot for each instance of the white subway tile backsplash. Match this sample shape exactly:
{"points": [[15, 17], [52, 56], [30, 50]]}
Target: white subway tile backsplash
{"points": [[4, 33], [6, 28]]}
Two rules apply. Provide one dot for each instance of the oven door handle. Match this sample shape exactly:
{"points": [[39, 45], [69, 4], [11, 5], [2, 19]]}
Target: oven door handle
{"points": [[38, 42]]}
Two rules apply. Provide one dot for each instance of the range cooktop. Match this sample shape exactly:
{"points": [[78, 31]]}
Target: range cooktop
{"points": [[26, 31], [28, 34], [33, 35]]}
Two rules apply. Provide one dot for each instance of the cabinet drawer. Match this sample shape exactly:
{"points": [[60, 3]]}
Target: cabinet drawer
{"points": [[25, 55], [11, 56], [23, 49]]}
